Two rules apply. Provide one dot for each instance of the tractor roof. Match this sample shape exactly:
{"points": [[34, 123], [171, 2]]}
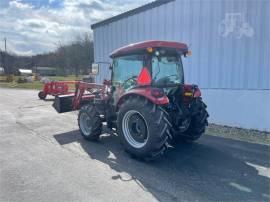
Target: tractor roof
{"points": [[149, 44]]}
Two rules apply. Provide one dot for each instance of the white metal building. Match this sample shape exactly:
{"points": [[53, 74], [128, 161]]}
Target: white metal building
{"points": [[2, 70], [25, 72], [230, 42]]}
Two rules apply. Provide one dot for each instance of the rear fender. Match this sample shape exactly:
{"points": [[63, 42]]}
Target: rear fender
{"points": [[146, 93]]}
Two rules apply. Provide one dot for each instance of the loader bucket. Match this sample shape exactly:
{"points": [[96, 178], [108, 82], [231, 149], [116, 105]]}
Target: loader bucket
{"points": [[63, 103]]}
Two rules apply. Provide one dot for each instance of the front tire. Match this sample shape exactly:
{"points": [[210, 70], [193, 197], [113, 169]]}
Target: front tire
{"points": [[89, 122], [42, 95], [143, 128]]}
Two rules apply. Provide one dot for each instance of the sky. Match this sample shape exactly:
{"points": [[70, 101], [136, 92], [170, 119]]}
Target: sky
{"points": [[38, 26]]}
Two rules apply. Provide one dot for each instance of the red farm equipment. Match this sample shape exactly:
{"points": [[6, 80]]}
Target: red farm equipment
{"points": [[55, 88], [146, 101]]}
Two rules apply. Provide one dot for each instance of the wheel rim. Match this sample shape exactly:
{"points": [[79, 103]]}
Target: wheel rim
{"points": [[85, 124], [135, 129]]}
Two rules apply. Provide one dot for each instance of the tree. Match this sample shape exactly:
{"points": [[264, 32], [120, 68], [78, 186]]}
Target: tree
{"points": [[75, 57]]}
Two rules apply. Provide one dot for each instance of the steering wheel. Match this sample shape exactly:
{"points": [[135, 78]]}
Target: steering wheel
{"points": [[166, 79], [129, 82]]}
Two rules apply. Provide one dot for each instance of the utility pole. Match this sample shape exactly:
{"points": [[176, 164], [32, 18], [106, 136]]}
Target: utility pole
{"points": [[5, 39], [4, 56], [8, 70], [5, 61]]}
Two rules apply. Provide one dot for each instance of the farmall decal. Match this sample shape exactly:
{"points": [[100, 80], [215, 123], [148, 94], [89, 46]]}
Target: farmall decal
{"points": [[235, 25]]}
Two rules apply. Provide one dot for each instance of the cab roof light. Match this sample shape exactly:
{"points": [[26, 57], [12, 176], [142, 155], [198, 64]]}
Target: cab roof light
{"points": [[149, 50]]}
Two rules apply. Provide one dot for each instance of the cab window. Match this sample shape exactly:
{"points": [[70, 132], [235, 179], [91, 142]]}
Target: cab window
{"points": [[126, 68]]}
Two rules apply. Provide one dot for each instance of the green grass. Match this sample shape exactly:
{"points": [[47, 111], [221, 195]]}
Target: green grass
{"points": [[36, 84], [64, 78]]}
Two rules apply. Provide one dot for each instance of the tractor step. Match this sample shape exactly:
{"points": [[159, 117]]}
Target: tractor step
{"points": [[63, 103]]}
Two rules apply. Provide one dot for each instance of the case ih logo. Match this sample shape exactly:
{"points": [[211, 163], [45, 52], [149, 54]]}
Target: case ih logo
{"points": [[234, 24]]}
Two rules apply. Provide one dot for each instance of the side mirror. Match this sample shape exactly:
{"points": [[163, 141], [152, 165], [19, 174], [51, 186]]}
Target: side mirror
{"points": [[95, 68]]}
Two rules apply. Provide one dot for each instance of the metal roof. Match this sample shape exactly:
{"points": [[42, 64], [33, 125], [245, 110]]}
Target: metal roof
{"points": [[25, 71], [131, 12]]}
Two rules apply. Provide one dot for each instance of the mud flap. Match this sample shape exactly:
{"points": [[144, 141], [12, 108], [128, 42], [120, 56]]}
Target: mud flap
{"points": [[63, 103]]}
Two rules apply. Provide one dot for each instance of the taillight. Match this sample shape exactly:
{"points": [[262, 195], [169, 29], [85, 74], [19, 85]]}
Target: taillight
{"points": [[157, 92], [197, 93], [144, 78], [188, 94], [187, 90], [191, 91]]}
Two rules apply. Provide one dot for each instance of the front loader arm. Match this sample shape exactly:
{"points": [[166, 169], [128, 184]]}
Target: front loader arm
{"points": [[84, 92], [80, 95]]}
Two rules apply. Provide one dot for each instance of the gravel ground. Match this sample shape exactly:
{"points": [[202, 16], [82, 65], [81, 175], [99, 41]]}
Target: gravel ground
{"points": [[254, 136]]}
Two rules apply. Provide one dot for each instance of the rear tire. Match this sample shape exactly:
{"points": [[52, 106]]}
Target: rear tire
{"points": [[143, 128], [197, 125], [42, 95], [89, 122]]}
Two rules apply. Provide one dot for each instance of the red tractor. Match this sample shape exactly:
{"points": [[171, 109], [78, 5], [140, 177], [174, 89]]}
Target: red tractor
{"points": [[146, 100]]}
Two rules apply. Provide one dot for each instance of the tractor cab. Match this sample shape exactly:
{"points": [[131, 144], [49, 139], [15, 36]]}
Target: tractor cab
{"points": [[158, 67], [156, 64]]}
